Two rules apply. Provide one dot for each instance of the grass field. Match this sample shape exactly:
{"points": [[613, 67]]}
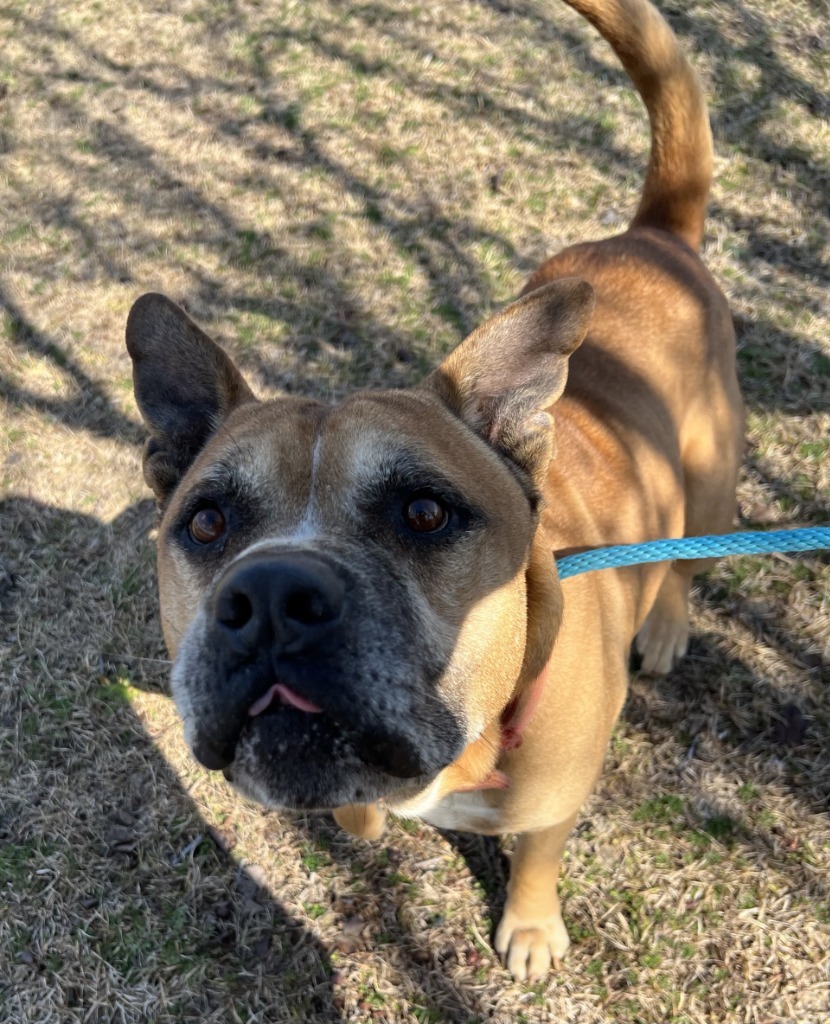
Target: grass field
{"points": [[339, 191]]}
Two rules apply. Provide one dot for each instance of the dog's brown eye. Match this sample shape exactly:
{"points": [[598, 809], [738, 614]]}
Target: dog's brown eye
{"points": [[207, 525], [425, 515]]}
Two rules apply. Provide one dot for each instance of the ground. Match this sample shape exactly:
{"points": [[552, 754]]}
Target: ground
{"points": [[338, 192]]}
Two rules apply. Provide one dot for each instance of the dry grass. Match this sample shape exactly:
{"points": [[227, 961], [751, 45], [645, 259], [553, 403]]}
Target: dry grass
{"points": [[339, 191]]}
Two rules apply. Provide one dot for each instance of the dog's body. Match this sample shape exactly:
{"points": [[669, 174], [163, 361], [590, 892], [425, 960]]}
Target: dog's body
{"points": [[361, 600]]}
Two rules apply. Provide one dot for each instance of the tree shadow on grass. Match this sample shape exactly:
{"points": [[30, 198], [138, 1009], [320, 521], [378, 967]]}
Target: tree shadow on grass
{"points": [[753, 708], [115, 894], [365, 349], [89, 407]]}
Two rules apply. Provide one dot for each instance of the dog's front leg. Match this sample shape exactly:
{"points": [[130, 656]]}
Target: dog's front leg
{"points": [[531, 935]]}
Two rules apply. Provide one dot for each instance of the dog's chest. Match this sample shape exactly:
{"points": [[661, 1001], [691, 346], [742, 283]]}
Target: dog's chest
{"points": [[464, 812]]}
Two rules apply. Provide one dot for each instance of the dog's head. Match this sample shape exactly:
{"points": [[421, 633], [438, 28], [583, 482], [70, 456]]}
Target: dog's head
{"points": [[344, 589]]}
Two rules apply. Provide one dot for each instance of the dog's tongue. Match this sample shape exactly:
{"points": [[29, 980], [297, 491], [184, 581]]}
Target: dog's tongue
{"points": [[279, 691]]}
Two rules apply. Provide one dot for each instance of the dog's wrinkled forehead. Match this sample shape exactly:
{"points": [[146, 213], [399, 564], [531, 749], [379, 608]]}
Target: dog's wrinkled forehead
{"points": [[304, 469]]}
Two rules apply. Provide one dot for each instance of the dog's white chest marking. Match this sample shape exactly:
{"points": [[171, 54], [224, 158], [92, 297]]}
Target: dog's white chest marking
{"points": [[464, 812]]}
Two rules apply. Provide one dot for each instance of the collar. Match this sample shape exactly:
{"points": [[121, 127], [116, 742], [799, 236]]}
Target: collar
{"points": [[514, 720], [518, 713]]}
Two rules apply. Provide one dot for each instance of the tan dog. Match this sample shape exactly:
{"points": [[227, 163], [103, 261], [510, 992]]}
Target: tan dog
{"points": [[361, 600]]}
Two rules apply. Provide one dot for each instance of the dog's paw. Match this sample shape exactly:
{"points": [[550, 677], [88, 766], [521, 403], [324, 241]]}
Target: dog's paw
{"points": [[664, 636], [661, 643], [365, 820], [529, 947]]}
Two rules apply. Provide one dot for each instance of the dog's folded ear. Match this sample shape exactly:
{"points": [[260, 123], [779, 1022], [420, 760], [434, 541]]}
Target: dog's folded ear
{"points": [[502, 378], [184, 384]]}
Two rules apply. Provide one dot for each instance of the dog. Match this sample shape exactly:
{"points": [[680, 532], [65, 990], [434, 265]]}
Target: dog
{"points": [[361, 599]]}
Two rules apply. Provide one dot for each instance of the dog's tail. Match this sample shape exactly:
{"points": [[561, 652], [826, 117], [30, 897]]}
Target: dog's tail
{"points": [[679, 175]]}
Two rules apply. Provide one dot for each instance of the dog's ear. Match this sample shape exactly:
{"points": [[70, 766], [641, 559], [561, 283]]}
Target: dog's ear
{"points": [[184, 384], [504, 375]]}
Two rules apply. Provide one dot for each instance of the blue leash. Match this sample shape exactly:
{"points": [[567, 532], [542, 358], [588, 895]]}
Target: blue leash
{"points": [[715, 546]]}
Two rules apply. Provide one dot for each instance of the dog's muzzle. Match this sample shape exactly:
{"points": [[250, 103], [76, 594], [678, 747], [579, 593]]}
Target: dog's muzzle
{"points": [[268, 613], [308, 680]]}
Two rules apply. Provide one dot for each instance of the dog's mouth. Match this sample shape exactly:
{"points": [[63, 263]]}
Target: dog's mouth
{"points": [[292, 742], [271, 703], [275, 698], [278, 694], [255, 705]]}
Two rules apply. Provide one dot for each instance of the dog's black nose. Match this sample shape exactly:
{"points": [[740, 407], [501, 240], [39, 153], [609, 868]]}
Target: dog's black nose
{"points": [[291, 601]]}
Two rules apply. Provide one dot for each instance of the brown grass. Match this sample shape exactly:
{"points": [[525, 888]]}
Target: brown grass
{"points": [[339, 192]]}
